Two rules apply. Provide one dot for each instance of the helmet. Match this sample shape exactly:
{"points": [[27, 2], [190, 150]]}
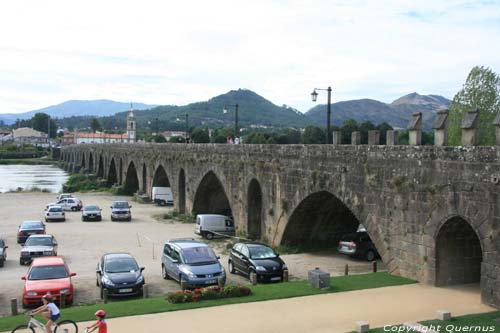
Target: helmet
{"points": [[100, 313], [47, 297]]}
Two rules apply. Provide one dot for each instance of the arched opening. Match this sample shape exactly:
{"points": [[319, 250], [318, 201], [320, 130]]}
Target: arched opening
{"points": [[131, 180], [120, 173], [91, 163], [182, 192], [144, 178], [458, 253], [83, 161], [112, 177], [100, 168], [160, 178], [319, 221], [210, 197], [254, 204]]}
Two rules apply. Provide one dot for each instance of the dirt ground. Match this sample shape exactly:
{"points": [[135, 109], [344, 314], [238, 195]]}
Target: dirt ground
{"points": [[83, 243]]}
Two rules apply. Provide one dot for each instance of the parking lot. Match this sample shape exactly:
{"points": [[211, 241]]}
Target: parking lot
{"points": [[83, 243]]}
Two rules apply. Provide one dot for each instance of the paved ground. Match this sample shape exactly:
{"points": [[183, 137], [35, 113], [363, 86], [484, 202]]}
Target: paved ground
{"points": [[83, 243], [332, 313]]}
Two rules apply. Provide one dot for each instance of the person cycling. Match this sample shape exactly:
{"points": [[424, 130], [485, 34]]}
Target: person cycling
{"points": [[49, 310], [101, 323]]}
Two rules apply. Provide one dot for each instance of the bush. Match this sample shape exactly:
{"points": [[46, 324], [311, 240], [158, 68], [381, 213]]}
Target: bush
{"points": [[208, 293]]}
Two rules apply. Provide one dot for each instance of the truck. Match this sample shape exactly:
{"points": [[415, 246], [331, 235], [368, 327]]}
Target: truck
{"points": [[162, 196]]}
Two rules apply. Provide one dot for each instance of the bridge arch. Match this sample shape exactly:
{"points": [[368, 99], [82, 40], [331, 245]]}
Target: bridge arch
{"points": [[91, 163], [100, 167], [160, 177], [112, 173], [459, 253], [210, 197], [83, 161], [131, 180], [319, 220], [144, 178], [182, 192], [254, 210]]}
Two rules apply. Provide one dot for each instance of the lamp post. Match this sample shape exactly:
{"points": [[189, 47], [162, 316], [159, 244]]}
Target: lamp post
{"points": [[314, 97], [236, 132], [187, 129]]}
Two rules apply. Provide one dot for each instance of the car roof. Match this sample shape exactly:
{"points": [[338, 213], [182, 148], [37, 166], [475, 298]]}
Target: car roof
{"points": [[254, 244], [117, 255], [120, 201], [40, 236], [213, 215], [186, 243], [47, 261], [91, 205], [32, 221]]}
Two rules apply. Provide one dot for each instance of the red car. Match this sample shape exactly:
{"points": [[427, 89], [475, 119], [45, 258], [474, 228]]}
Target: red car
{"points": [[47, 275]]}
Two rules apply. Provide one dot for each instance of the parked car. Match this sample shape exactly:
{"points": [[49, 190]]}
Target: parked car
{"points": [[192, 263], [119, 275], [91, 213], [38, 246], [72, 204], [47, 275], [255, 258], [120, 210], [28, 228], [211, 225], [55, 213], [63, 196], [3, 252], [162, 196], [359, 245]]}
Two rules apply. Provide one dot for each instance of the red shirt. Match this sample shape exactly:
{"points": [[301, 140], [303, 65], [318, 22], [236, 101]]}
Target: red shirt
{"points": [[103, 326]]}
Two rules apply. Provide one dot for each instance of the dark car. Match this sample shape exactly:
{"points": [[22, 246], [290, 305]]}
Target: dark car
{"points": [[119, 275], [358, 244], [259, 259], [120, 210], [38, 246], [3, 252], [28, 228]]}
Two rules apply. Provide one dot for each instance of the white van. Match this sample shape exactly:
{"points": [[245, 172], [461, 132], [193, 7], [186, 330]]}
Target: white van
{"points": [[162, 196], [211, 225]]}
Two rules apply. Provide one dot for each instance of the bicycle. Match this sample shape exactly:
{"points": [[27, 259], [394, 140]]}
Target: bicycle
{"points": [[63, 326]]}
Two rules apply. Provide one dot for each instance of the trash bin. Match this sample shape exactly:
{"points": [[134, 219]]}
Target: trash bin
{"points": [[319, 279]]}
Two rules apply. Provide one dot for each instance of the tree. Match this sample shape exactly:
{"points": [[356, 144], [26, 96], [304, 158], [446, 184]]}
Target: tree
{"points": [[383, 128], [348, 126], [480, 91], [95, 125], [40, 122], [364, 128], [313, 135], [200, 135]]}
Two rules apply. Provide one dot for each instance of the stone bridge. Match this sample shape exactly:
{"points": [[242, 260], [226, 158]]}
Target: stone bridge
{"points": [[433, 212]]}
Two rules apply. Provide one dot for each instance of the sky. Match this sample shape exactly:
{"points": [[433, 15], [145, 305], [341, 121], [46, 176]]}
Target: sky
{"points": [[179, 52]]}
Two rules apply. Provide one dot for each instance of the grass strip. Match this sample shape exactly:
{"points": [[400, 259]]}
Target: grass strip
{"points": [[481, 322], [262, 292]]}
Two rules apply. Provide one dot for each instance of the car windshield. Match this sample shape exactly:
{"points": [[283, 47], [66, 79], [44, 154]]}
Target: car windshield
{"points": [[352, 237], [48, 272], [120, 204], [31, 225], [55, 209], [39, 241], [91, 208], [261, 252], [121, 265], [199, 255]]}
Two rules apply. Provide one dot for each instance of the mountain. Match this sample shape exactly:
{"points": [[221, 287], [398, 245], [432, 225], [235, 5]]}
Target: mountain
{"points": [[253, 109], [101, 107], [397, 114]]}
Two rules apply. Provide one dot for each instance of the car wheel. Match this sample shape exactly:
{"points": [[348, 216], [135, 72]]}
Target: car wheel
{"points": [[209, 235], [73, 209], [370, 255], [99, 218], [21, 262], [1, 262], [253, 277], [164, 273], [112, 219], [102, 292], [231, 267], [183, 283], [163, 203], [96, 282], [129, 219]]}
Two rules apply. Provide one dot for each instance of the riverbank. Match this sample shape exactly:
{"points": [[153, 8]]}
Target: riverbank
{"points": [[30, 161]]}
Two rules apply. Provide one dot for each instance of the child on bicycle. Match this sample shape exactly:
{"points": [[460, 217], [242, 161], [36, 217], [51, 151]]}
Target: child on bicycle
{"points": [[49, 310], [101, 323]]}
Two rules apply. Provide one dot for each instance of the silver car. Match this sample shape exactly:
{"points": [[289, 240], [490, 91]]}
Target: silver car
{"points": [[38, 246], [91, 213], [55, 213]]}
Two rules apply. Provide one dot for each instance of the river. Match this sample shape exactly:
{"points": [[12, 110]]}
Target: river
{"points": [[45, 177]]}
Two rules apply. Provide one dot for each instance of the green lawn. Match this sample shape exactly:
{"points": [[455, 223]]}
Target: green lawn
{"points": [[483, 322], [262, 292]]}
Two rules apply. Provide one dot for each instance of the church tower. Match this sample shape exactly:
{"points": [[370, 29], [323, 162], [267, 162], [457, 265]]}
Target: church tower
{"points": [[131, 125]]}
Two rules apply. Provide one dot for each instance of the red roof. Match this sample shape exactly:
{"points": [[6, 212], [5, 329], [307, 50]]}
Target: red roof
{"points": [[47, 261]]}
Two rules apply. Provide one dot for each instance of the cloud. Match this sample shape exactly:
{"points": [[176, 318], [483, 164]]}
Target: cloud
{"points": [[166, 52]]}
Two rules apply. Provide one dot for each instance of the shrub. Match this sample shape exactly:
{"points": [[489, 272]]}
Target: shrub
{"points": [[208, 293], [180, 297], [236, 291]]}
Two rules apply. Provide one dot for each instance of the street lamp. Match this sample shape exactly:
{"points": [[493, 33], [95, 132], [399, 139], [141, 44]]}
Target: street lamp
{"points": [[314, 97], [224, 110]]}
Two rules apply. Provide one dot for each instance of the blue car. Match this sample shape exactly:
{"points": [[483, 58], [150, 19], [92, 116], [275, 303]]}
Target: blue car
{"points": [[193, 264]]}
